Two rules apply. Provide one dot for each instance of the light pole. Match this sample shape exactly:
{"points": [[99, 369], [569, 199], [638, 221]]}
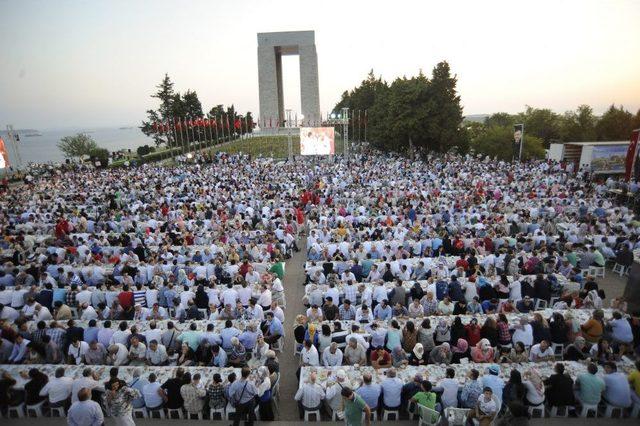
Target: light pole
{"points": [[345, 131], [289, 141]]}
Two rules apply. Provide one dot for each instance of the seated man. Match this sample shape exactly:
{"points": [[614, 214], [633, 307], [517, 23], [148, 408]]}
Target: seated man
{"points": [[380, 358], [617, 391], [486, 408], [589, 387]]}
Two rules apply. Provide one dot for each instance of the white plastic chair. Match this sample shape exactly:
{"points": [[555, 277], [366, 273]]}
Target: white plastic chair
{"points": [[308, 413], [159, 412], [619, 269], [427, 416], [584, 412], [386, 413], [610, 409], [172, 411], [59, 411], [559, 411], [229, 411], [456, 416], [18, 410], [213, 411], [558, 350], [597, 271], [36, 409], [536, 411], [142, 411]]}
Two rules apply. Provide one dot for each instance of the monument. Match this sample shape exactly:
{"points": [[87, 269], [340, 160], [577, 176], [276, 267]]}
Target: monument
{"points": [[271, 48]]}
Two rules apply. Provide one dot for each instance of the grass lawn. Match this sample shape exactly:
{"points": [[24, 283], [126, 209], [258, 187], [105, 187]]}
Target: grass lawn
{"points": [[267, 146]]}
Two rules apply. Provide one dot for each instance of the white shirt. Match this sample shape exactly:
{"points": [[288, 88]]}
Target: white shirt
{"points": [[310, 394], [331, 360], [120, 337], [537, 352], [229, 297], [244, 294], [450, 395], [10, 314], [78, 352], [525, 336], [83, 382], [88, 314], [57, 389], [310, 356], [150, 395], [83, 296]]}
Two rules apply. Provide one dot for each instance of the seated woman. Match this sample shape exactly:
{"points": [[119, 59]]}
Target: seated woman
{"points": [[482, 352], [519, 353], [602, 352], [417, 355], [459, 351]]}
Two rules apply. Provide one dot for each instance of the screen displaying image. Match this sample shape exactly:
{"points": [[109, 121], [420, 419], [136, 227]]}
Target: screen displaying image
{"points": [[317, 141]]}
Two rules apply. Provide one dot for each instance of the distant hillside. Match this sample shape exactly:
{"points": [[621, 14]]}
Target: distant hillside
{"points": [[478, 118]]}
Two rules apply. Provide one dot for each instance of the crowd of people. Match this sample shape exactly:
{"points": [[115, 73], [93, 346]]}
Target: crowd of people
{"points": [[155, 268], [445, 264], [453, 261]]}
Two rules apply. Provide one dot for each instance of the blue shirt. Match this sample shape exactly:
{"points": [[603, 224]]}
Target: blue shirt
{"points": [[227, 334], [85, 413], [59, 295], [138, 383], [248, 339], [382, 313], [495, 383], [91, 334], [617, 390], [391, 392], [220, 360], [621, 330], [276, 327], [370, 394]]}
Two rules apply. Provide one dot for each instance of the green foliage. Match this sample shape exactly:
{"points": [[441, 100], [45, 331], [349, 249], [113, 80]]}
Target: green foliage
{"points": [[180, 107], [616, 124], [101, 155], [77, 146], [497, 141], [580, 125], [410, 113], [144, 150]]}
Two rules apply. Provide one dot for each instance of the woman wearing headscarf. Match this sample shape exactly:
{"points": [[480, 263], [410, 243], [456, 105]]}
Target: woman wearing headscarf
{"points": [[443, 333], [592, 300], [482, 352], [558, 329], [416, 356], [601, 352], [263, 384], [441, 354], [540, 328], [534, 386], [489, 331], [457, 330], [311, 334], [182, 279], [459, 351]]}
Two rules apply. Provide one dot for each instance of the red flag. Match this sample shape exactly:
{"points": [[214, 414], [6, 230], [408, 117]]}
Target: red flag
{"points": [[213, 122], [207, 122], [237, 124], [178, 124], [4, 156], [631, 154], [155, 127]]}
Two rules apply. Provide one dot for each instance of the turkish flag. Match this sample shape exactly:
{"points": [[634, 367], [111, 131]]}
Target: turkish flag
{"points": [[631, 154], [237, 124]]}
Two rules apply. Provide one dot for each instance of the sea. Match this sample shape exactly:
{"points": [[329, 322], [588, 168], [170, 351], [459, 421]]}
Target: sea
{"points": [[41, 146]]}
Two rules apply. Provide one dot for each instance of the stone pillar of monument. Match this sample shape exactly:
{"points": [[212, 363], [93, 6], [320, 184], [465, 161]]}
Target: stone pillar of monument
{"points": [[271, 48]]}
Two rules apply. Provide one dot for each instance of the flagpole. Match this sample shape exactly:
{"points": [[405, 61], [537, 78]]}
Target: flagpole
{"points": [[365, 125], [175, 138]]}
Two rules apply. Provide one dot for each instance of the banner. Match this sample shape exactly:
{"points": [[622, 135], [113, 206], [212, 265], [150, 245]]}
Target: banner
{"points": [[317, 141], [4, 156], [608, 158], [517, 140], [630, 159]]}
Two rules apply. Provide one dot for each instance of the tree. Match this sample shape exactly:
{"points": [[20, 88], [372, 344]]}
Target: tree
{"points": [[496, 141], [542, 123], [415, 112], [163, 114], [500, 119], [579, 126], [77, 146], [101, 155], [616, 124]]}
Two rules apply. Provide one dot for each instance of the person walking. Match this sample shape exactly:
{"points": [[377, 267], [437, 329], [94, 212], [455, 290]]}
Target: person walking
{"points": [[354, 406]]}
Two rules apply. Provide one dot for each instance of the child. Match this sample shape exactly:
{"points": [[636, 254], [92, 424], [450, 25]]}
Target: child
{"points": [[486, 408]]}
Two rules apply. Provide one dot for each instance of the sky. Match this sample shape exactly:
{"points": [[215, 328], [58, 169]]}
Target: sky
{"points": [[67, 63]]}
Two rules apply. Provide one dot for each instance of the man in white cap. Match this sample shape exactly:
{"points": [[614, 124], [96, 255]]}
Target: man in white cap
{"points": [[333, 393]]}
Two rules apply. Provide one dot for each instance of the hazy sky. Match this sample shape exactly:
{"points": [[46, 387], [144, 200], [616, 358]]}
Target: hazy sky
{"points": [[95, 63]]}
